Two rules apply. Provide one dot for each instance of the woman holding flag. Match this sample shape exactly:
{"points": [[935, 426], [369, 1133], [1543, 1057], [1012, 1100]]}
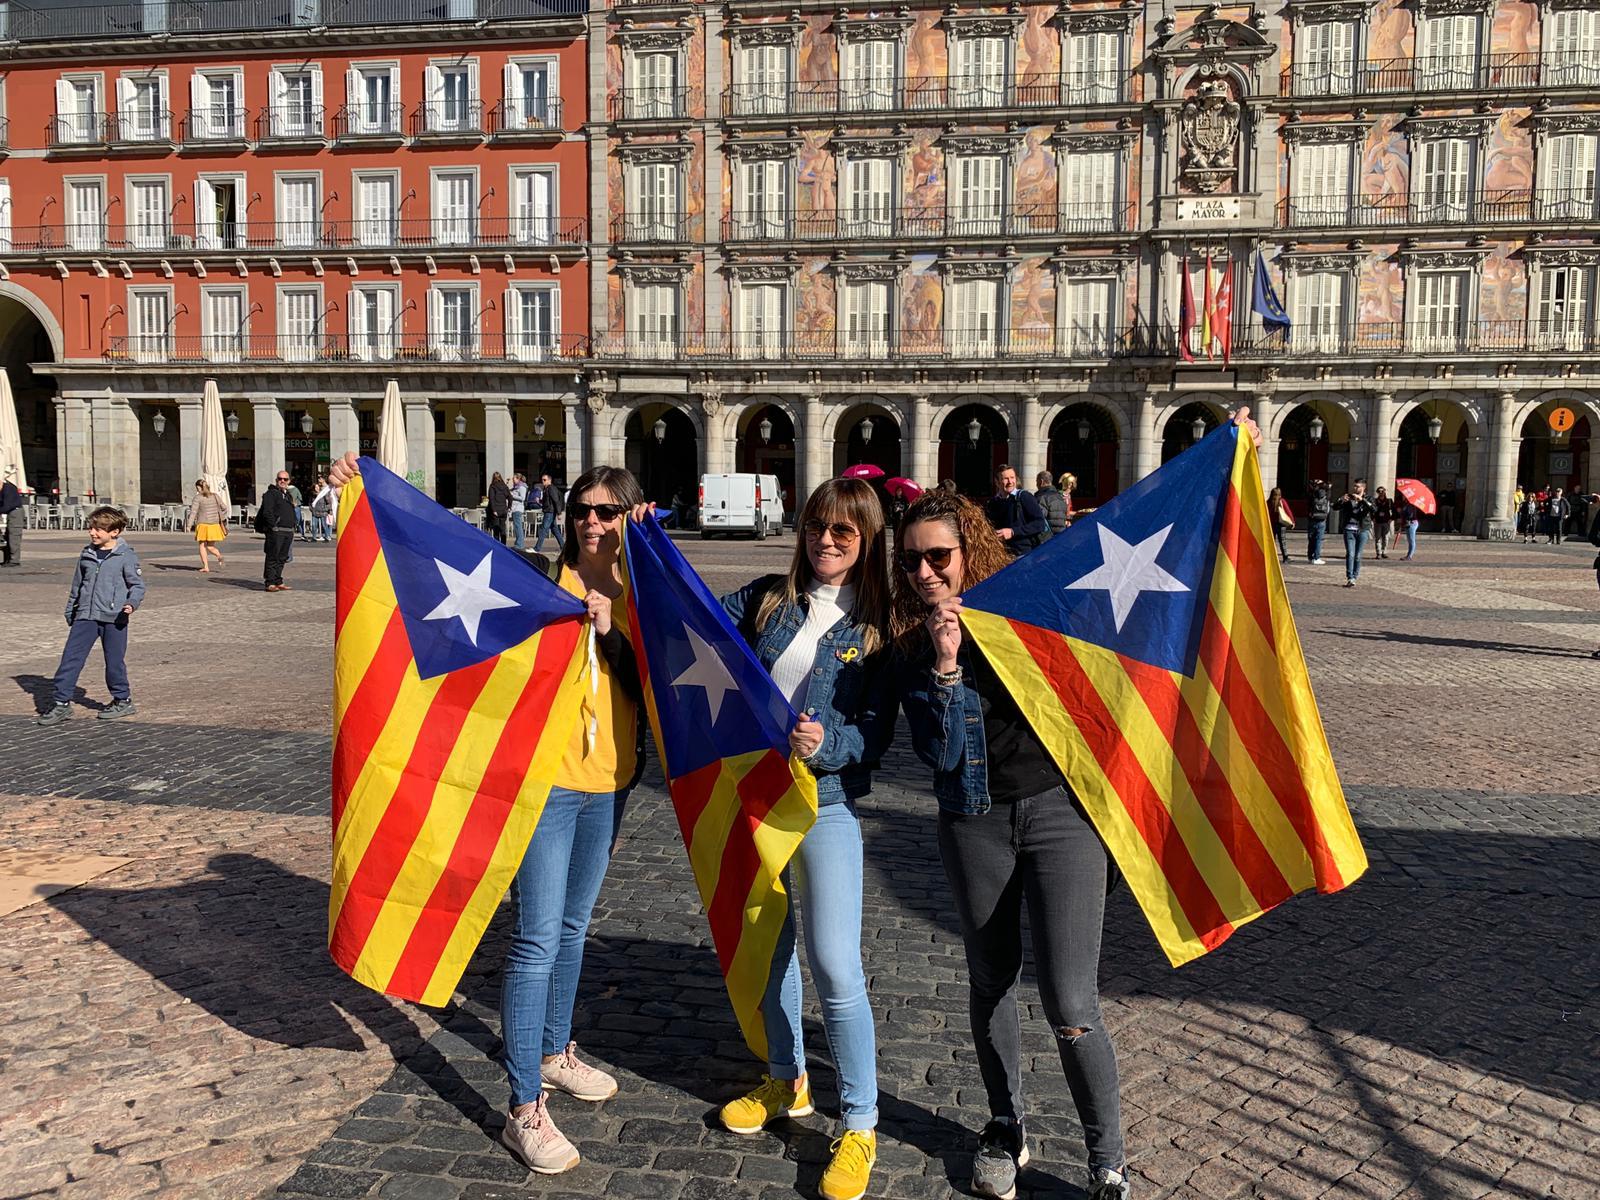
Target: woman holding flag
{"points": [[817, 630], [1010, 829]]}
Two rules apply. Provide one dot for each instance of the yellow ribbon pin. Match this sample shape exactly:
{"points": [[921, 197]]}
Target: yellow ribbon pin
{"points": [[849, 655]]}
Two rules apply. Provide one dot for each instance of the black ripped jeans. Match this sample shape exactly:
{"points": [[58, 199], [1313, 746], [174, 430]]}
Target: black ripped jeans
{"points": [[1041, 849]]}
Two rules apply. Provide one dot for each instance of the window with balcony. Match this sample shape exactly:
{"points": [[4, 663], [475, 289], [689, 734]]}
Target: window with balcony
{"points": [[453, 322], [1325, 58], [1320, 183], [222, 323], [372, 101], [1092, 67], [533, 322], [763, 76], [5, 214], [219, 212], [299, 322], [149, 205], [150, 324], [296, 110], [1562, 313], [653, 319], [1571, 47], [869, 74], [972, 317], [216, 106], [533, 205], [868, 197], [865, 318], [655, 86], [1567, 177], [653, 202], [761, 203], [978, 69], [376, 205], [142, 114], [299, 210], [79, 120], [762, 318], [1442, 173], [455, 207], [1439, 310], [373, 321], [1447, 51], [1091, 307], [1089, 186], [1316, 311], [977, 194], [86, 214], [452, 104], [530, 86]]}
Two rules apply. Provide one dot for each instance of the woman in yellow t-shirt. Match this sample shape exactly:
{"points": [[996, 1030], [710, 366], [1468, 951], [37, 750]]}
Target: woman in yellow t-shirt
{"points": [[566, 861]]}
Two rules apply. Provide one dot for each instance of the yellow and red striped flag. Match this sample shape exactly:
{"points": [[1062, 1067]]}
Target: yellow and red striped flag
{"points": [[1153, 651], [722, 728], [456, 675]]}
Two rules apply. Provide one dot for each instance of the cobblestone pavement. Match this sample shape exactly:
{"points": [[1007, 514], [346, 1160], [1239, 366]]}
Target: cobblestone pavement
{"points": [[173, 1027]]}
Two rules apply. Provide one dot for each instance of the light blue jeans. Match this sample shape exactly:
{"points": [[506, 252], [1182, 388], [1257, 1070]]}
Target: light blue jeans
{"points": [[1355, 543], [519, 528], [555, 890], [1411, 539], [825, 877]]}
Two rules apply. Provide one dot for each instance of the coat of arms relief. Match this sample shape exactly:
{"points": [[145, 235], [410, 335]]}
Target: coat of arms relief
{"points": [[1208, 128]]}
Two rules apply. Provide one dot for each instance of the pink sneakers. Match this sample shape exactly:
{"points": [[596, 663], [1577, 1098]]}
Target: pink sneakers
{"points": [[564, 1073], [532, 1136]]}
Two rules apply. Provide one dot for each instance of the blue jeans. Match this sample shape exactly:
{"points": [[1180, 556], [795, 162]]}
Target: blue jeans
{"points": [[113, 639], [319, 527], [555, 890], [1355, 542], [518, 532], [1411, 539], [549, 526], [1314, 530], [825, 875]]}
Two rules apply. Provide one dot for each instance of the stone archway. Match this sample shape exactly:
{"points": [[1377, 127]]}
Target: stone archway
{"points": [[1313, 439], [766, 446], [1179, 430], [662, 449], [974, 440], [29, 335], [1443, 463], [1549, 458], [1084, 441], [867, 431]]}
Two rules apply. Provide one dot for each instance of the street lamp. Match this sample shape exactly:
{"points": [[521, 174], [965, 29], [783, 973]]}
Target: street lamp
{"points": [[660, 430], [973, 430], [765, 429], [461, 425], [305, 423], [1435, 425], [1316, 428], [1084, 429], [538, 427], [231, 423], [159, 422], [1198, 428], [866, 430]]}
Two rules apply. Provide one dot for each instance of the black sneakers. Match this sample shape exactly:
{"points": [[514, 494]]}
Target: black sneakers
{"points": [[1002, 1149], [117, 709], [56, 715], [1106, 1184]]}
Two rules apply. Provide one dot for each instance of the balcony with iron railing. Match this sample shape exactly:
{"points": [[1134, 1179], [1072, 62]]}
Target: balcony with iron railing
{"points": [[926, 94], [215, 126], [649, 227], [532, 118], [77, 131], [1452, 73], [149, 18], [927, 221], [377, 235], [1507, 206], [370, 123], [389, 349], [920, 345], [449, 120], [292, 125], [650, 104]]}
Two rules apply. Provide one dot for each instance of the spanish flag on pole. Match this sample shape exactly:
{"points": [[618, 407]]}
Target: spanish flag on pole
{"points": [[456, 673], [1153, 652]]}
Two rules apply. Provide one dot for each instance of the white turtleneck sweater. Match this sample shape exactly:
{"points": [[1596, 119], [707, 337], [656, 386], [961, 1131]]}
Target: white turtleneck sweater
{"points": [[827, 607]]}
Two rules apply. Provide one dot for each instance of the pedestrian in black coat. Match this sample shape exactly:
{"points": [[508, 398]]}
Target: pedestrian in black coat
{"points": [[275, 521]]}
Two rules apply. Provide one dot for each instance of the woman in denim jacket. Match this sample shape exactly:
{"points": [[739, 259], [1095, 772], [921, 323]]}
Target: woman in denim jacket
{"points": [[818, 631], [1009, 830]]}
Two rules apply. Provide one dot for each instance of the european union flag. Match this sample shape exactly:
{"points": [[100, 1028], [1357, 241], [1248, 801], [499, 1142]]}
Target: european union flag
{"points": [[1264, 298]]}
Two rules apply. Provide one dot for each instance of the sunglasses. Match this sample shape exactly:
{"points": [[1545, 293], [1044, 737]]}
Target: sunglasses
{"points": [[938, 557], [606, 512], [843, 534]]}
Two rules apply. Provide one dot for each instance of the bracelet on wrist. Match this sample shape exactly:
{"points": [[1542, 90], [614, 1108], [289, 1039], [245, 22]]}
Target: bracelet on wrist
{"points": [[947, 678]]}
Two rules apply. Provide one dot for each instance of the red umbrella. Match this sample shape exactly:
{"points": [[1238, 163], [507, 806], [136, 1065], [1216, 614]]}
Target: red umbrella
{"points": [[862, 471], [906, 489], [1418, 493]]}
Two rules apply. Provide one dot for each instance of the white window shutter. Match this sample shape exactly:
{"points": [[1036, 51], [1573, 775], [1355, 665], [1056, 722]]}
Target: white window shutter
{"points": [[316, 98], [512, 108], [5, 214], [512, 303], [354, 101], [64, 98], [555, 319]]}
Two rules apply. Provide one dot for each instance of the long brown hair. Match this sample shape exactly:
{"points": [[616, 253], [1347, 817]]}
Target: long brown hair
{"points": [[851, 500], [619, 481], [202, 488], [982, 554]]}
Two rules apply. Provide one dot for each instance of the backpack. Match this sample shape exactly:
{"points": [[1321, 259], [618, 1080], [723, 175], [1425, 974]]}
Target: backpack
{"points": [[323, 504]]}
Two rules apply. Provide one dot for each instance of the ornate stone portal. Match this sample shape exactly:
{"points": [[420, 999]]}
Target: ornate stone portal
{"points": [[1209, 129]]}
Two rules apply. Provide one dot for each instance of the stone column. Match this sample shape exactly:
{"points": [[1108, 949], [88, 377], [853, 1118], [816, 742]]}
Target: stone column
{"points": [[114, 435], [74, 446], [1263, 408], [573, 419], [598, 207], [499, 437], [1500, 477], [1146, 438], [1026, 453], [921, 439], [189, 448], [344, 426], [270, 451], [818, 455], [420, 445], [1381, 471], [597, 444], [715, 454]]}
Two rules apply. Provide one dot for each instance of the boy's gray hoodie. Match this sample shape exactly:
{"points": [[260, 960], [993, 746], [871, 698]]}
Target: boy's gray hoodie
{"points": [[100, 589]]}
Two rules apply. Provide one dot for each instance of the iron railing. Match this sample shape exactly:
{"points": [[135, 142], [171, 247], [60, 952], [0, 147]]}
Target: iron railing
{"points": [[530, 118], [929, 221], [448, 119], [484, 346], [210, 125], [291, 123], [318, 235], [927, 93], [77, 129], [650, 104], [650, 227], [1499, 207], [1441, 73], [136, 129], [384, 121]]}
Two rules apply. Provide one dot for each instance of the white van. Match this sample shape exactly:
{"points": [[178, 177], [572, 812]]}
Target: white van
{"points": [[740, 504]]}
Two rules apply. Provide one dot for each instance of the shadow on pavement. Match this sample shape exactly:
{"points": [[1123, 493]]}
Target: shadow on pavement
{"points": [[1419, 639], [42, 689]]}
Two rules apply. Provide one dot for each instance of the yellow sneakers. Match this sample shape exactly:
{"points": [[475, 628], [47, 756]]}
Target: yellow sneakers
{"points": [[773, 1099], [851, 1167]]}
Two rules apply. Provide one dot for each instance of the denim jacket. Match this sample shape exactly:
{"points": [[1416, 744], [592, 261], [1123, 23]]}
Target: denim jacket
{"points": [[946, 728], [846, 690]]}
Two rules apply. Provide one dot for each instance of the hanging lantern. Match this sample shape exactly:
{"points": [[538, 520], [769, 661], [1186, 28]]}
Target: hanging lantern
{"points": [[538, 427], [765, 429], [1084, 429], [660, 430], [159, 422], [974, 431], [1316, 428], [1198, 428], [461, 425], [231, 423], [1435, 428], [305, 423], [866, 430]]}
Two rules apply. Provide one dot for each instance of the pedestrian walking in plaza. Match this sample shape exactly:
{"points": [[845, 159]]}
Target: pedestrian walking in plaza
{"points": [[107, 588], [1282, 520], [1318, 507], [1408, 516], [1560, 509], [1068, 483], [519, 510], [551, 506], [208, 517], [1382, 522], [275, 521], [1009, 829], [498, 503], [11, 510], [820, 631], [1355, 511], [299, 514], [324, 510], [1015, 514], [1052, 502], [1528, 518], [1594, 540]]}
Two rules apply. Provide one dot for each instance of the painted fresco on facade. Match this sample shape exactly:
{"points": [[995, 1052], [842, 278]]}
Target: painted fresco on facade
{"points": [[616, 307], [926, 52], [922, 297], [816, 174], [1503, 296], [1380, 297], [816, 56], [1033, 301], [815, 302], [1391, 33], [1516, 27], [925, 184], [1038, 44], [1509, 149], [1386, 160], [1035, 173]]}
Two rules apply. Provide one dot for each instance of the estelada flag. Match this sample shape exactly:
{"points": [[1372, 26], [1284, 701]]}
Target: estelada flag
{"points": [[457, 671], [722, 728], [1152, 650]]}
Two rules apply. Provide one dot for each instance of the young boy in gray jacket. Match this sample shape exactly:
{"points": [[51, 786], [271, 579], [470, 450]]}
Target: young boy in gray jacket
{"points": [[107, 586]]}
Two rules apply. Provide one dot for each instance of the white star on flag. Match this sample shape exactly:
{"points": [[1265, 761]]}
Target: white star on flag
{"points": [[1127, 571], [708, 671], [470, 596]]}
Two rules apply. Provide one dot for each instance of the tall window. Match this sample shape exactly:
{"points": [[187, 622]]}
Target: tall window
{"points": [[455, 207], [1325, 58], [1441, 188], [1089, 190], [868, 75], [5, 214], [374, 328], [653, 319], [1091, 314], [148, 208], [222, 322], [1319, 193], [869, 197], [86, 214], [761, 319], [150, 324], [451, 95], [1567, 176], [972, 318], [78, 117], [1439, 313], [371, 96], [215, 110], [454, 322], [1562, 309], [1447, 52], [299, 214], [533, 322], [533, 206], [866, 318], [762, 207], [653, 202], [296, 104], [655, 85], [529, 87], [376, 209], [978, 71], [763, 79], [1571, 46], [142, 109], [1316, 302], [1093, 67], [299, 323], [219, 212], [978, 193]]}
